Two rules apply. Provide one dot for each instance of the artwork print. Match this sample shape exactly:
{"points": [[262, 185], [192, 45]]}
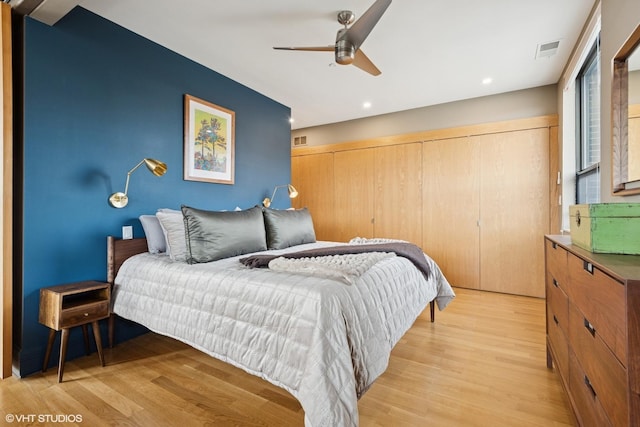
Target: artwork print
{"points": [[209, 133]]}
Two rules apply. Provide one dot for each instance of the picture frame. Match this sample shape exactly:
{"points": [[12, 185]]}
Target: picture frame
{"points": [[209, 142]]}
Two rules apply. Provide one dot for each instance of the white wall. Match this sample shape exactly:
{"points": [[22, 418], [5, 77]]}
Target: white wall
{"points": [[526, 103], [634, 86]]}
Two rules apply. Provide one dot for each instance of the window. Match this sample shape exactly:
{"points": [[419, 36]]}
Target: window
{"points": [[588, 128]]}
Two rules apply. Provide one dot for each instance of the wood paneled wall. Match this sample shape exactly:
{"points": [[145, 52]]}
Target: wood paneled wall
{"points": [[451, 208], [316, 172], [477, 198], [7, 193]]}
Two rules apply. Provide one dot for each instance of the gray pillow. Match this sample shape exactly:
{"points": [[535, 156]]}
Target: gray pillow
{"points": [[214, 235], [156, 242], [287, 228]]}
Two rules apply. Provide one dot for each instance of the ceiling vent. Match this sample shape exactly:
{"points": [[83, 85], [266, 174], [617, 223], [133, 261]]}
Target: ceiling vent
{"points": [[299, 141], [546, 50]]}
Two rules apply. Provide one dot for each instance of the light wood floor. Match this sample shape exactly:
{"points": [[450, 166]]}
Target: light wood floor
{"points": [[482, 363]]}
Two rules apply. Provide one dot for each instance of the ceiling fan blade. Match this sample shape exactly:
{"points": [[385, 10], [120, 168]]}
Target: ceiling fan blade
{"points": [[360, 29], [310, 48], [363, 62]]}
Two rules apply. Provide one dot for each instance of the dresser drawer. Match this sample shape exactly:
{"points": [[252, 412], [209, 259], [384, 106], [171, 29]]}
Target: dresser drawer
{"points": [[606, 376], [559, 346], [602, 301], [556, 264], [587, 403], [558, 304], [83, 314]]}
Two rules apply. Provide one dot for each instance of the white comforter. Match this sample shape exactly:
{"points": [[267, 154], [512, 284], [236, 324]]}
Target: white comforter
{"points": [[323, 340]]}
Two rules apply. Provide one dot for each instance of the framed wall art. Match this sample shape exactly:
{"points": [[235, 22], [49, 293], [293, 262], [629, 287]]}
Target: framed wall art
{"points": [[209, 142]]}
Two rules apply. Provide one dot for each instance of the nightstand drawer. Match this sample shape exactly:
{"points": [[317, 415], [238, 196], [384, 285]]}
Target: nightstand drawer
{"points": [[74, 304], [84, 313]]}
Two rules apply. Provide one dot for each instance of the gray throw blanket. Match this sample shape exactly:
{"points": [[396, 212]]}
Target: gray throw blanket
{"points": [[406, 250]]}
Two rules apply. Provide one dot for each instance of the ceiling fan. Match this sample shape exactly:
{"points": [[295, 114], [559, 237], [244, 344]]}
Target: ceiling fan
{"points": [[349, 39]]}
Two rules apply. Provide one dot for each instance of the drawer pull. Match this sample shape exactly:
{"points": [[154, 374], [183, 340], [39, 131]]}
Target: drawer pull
{"points": [[555, 319], [555, 283], [589, 386], [86, 315], [554, 245], [588, 267], [590, 327]]}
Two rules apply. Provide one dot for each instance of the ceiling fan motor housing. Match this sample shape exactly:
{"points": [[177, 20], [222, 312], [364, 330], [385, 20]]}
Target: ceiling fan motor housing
{"points": [[345, 50]]}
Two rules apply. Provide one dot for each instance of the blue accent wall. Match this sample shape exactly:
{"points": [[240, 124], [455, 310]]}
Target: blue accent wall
{"points": [[97, 100]]}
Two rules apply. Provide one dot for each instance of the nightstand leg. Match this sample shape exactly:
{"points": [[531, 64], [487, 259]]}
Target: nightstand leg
{"points": [[63, 352], [96, 335], [85, 334], [47, 354]]}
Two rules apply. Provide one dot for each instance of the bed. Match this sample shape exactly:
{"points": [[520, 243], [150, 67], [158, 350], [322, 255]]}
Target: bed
{"points": [[323, 338]]}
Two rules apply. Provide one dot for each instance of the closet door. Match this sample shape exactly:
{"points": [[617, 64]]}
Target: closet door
{"points": [[312, 176], [354, 188], [514, 207], [398, 192], [451, 208]]}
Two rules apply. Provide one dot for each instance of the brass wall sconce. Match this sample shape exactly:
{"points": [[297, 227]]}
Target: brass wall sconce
{"points": [[293, 193], [158, 168]]}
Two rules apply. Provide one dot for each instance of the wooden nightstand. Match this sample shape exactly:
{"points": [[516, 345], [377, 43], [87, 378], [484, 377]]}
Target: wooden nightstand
{"points": [[75, 304]]}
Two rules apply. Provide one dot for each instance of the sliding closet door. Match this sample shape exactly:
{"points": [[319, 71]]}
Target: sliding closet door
{"points": [[312, 176], [451, 208], [398, 192], [354, 177], [514, 206]]}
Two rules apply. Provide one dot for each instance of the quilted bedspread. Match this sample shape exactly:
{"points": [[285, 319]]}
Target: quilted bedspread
{"points": [[323, 340]]}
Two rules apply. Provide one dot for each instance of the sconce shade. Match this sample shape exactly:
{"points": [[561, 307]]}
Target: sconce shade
{"points": [[156, 167], [293, 193]]}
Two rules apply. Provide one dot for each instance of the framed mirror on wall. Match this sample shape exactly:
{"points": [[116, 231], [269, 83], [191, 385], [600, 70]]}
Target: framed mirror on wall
{"points": [[625, 118]]}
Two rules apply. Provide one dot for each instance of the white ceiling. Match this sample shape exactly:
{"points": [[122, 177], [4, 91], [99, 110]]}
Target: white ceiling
{"points": [[429, 51]]}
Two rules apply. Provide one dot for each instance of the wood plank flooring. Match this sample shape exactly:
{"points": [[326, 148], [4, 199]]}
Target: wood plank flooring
{"points": [[482, 363]]}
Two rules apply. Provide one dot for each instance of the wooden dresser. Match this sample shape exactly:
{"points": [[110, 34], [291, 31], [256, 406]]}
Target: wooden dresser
{"points": [[593, 331]]}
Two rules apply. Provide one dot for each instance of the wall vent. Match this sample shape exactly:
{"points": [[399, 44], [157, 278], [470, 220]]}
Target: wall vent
{"points": [[546, 50], [299, 141]]}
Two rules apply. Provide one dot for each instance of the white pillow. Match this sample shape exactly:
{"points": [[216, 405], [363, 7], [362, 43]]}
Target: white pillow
{"points": [[156, 241], [172, 225]]}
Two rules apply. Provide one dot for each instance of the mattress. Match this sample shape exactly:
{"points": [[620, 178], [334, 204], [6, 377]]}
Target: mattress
{"points": [[323, 340]]}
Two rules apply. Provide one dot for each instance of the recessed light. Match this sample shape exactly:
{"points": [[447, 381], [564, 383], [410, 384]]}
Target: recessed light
{"points": [[366, 105], [487, 80]]}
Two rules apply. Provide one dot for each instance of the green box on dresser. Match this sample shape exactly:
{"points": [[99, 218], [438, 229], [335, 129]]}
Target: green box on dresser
{"points": [[606, 227]]}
